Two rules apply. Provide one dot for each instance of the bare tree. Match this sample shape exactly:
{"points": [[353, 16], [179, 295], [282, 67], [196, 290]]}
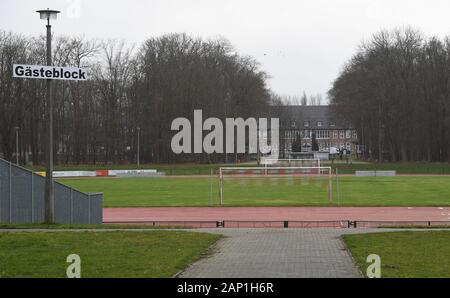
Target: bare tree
{"points": [[396, 91]]}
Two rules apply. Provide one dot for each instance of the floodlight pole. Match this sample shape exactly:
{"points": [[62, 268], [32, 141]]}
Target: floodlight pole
{"points": [[49, 193], [17, 145], [138, 146]]}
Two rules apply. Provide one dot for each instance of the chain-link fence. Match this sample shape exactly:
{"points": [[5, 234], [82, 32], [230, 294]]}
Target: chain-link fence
{"points": [[22, 199]]}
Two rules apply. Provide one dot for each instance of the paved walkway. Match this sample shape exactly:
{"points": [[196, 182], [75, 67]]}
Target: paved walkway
{"points": [[271, 253]]}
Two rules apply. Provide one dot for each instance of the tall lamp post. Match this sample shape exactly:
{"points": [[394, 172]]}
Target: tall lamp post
{"points": [[49, 195], [17, 144], [138, 146]]}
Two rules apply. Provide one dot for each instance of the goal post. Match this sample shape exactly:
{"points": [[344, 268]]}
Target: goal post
{"points": [[279, 179]]}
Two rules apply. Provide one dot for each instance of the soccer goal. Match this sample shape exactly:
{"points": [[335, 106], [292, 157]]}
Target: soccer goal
{"points": [[266, 185]]}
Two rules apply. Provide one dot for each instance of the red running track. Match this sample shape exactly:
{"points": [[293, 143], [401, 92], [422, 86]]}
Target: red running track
{"points": [[267, 214]]}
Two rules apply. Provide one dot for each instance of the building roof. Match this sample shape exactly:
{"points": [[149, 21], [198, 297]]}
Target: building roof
{"points": [[308, 117]]}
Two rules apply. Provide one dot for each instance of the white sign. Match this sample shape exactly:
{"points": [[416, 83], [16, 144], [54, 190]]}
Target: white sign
{"points": [[131, 172], [49, 72], [61, 174]]}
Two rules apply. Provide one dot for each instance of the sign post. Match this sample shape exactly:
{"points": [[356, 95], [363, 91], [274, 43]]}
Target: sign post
{"points": [[49, 73]]}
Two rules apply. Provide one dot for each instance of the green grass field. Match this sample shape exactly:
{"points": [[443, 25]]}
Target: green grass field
{"points": [[195, 191], [404, 254], [103, 254]]}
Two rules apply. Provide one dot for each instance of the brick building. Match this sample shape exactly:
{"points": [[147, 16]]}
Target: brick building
{"points": [[301, 122]]}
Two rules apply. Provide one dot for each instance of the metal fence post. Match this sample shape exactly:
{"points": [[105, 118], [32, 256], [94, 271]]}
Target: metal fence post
{"points": [[71, 205], [211, 188], [220, 186], [32, 197], [89, 208], [330, 185], [10, 193], [337, 188], [0, 203]]}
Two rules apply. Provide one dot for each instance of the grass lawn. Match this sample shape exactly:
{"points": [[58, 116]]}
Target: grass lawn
{"points": [[404, 254], [195, 191], [103, 254]]}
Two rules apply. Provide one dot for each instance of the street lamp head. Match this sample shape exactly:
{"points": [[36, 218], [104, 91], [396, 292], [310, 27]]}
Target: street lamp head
{"points": [[48, 14]]}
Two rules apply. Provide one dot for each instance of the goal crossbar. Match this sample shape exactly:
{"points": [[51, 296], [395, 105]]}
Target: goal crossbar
{"points": [[271, 168]]}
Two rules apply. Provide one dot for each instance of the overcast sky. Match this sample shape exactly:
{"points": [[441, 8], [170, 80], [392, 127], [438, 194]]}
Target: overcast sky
{"points": [[302, 45]]}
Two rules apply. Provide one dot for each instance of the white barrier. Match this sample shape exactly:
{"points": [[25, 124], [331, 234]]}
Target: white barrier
{"points": [[65, 174], [375, 173], [132, 172], [103, 173]]}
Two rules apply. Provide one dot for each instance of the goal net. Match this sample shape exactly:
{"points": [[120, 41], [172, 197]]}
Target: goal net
{"points": [[275, 185]]}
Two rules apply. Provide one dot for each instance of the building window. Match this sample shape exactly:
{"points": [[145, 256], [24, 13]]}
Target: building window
{"points": [[342, 134], [355, 135], [323, 134], [319, 123], [335, 134], [348, 134], [307, 134], [306, 124]]}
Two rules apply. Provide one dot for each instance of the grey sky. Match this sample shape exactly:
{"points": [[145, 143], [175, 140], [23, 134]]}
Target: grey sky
{"points": [[302, 45]]}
